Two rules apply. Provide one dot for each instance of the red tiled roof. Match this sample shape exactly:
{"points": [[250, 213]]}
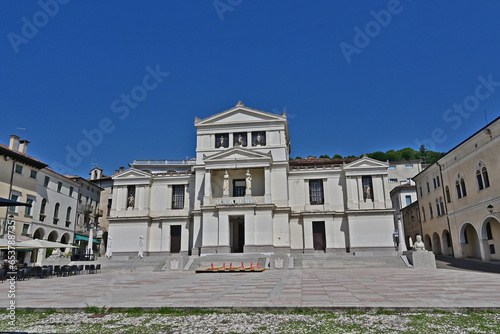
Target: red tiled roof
{"points": [[320, 162], [22, 157]]}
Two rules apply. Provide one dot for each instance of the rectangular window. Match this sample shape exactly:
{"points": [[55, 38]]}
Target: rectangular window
{"points": [[239, 188], [393, 180], [222, 140], [392, 167], [408, 199], [59, 186], [46, 181], [178, 197], [110, 201], [409, 166], [240, 139], [19, 169], [316, 194], [71, 189], [421, 194], [428, 188], [27, 209], [26, 229], [259, 138], [367, 188], [13, 197], [33, 174]]}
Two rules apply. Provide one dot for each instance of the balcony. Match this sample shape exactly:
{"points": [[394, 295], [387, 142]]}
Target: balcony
{"points": [[89, 210]]}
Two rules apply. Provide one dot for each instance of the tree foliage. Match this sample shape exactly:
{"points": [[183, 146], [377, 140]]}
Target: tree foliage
{"points": [[427, 156]]}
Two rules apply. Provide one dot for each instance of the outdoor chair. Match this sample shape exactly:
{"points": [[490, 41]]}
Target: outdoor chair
{"points": [[73, 269], [97, 268], [3, 273], [79, 269], [65, 271], [57, 270], [28, 273], [21, 275], [92, 269], [50, 270]]}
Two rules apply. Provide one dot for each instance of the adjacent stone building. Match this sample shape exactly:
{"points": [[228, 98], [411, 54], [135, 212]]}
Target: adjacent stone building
{"points": [[459, 198]]}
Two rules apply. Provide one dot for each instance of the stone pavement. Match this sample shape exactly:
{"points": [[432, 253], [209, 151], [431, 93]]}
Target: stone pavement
{"points": [[308, 288]]}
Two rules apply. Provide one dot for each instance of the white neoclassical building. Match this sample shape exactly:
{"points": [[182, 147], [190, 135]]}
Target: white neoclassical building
{"points": [[242, 194]]}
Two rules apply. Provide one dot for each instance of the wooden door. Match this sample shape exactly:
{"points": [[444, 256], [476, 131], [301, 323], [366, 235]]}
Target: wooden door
{"points": [[175, 239], [319, 237]]}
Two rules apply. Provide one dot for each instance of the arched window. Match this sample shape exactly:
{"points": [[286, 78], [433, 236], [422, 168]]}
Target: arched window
{"points": [[448, 197], [56, 213], [482, 178], [68, 217], [438, 209], [43, 206], [423, 214], [441, 206], [431, 212], [68, 214], [460, 185]]}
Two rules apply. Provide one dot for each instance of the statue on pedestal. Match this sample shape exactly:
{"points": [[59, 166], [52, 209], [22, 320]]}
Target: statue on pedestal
{"points": [[248, 182], [419, 244], [225, 185]]}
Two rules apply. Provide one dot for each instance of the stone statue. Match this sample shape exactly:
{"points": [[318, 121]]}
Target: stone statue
{"points": [[221, 139], [130, 201], [56, 253], [249, 182], [240, 140], [259, 139], [225, 185], [368, 192], [419, 245]]}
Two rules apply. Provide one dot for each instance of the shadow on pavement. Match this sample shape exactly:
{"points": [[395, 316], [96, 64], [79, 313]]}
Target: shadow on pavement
{"points": [[448, 262]]}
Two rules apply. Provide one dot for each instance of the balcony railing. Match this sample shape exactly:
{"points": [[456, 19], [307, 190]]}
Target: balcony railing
{"points": [[164, 162]]}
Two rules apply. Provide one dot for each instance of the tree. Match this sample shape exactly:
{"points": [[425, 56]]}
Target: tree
{"points": [[379, 155], [393, 155], [337, 156], [424, 154], [408, 154], [298, 158], [324, 156]]}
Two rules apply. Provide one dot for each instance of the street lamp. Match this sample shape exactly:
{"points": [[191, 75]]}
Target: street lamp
{"points": [[490, 210], [401, 234], [91, 239]]}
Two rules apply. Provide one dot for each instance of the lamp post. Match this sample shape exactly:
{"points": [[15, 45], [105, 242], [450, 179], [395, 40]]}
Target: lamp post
{"points": [[491, 209], [91, 239], [401, 234]]}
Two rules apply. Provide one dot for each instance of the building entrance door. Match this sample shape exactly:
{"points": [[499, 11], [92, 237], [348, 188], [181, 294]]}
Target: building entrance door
{"points": [[319, 237], [175, 239], [237, 234]]}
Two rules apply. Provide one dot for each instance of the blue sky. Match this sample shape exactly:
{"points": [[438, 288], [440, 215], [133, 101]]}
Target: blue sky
{"points": [[353, 76]]}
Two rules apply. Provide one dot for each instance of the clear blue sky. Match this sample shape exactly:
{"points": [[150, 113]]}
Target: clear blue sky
{"points": [[353, 76]]}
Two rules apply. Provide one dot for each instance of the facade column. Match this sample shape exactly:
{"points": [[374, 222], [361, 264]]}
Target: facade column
{"points": [[208, 187], [249, 139], [231, 140], [308, 236], [484, 247], [306, 193], [267, 185], [224, 244], [326, 198], [147, 192]]}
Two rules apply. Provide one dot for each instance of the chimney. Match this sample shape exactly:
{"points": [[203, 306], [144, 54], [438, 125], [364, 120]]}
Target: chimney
{"points": [[14, 143], [122, 169], [23, 147], [117, 171]]}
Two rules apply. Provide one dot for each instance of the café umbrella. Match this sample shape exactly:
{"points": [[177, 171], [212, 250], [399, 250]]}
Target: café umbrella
{"points": [[37, 243]]}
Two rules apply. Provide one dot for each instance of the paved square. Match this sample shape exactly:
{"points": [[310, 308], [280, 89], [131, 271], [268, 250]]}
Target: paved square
{"points": [[325, 288]]}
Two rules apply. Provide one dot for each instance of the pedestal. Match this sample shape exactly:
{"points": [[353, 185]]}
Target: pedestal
{"points": [[421, 259]]}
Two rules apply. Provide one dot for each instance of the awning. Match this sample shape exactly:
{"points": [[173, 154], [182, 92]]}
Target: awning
{"points": [[81, 237], [8, 202]]}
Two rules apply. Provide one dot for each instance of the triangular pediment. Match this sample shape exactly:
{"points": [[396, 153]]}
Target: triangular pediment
{"points": [[239, 115], [366, 163], [237, 154], [132, 174]]}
